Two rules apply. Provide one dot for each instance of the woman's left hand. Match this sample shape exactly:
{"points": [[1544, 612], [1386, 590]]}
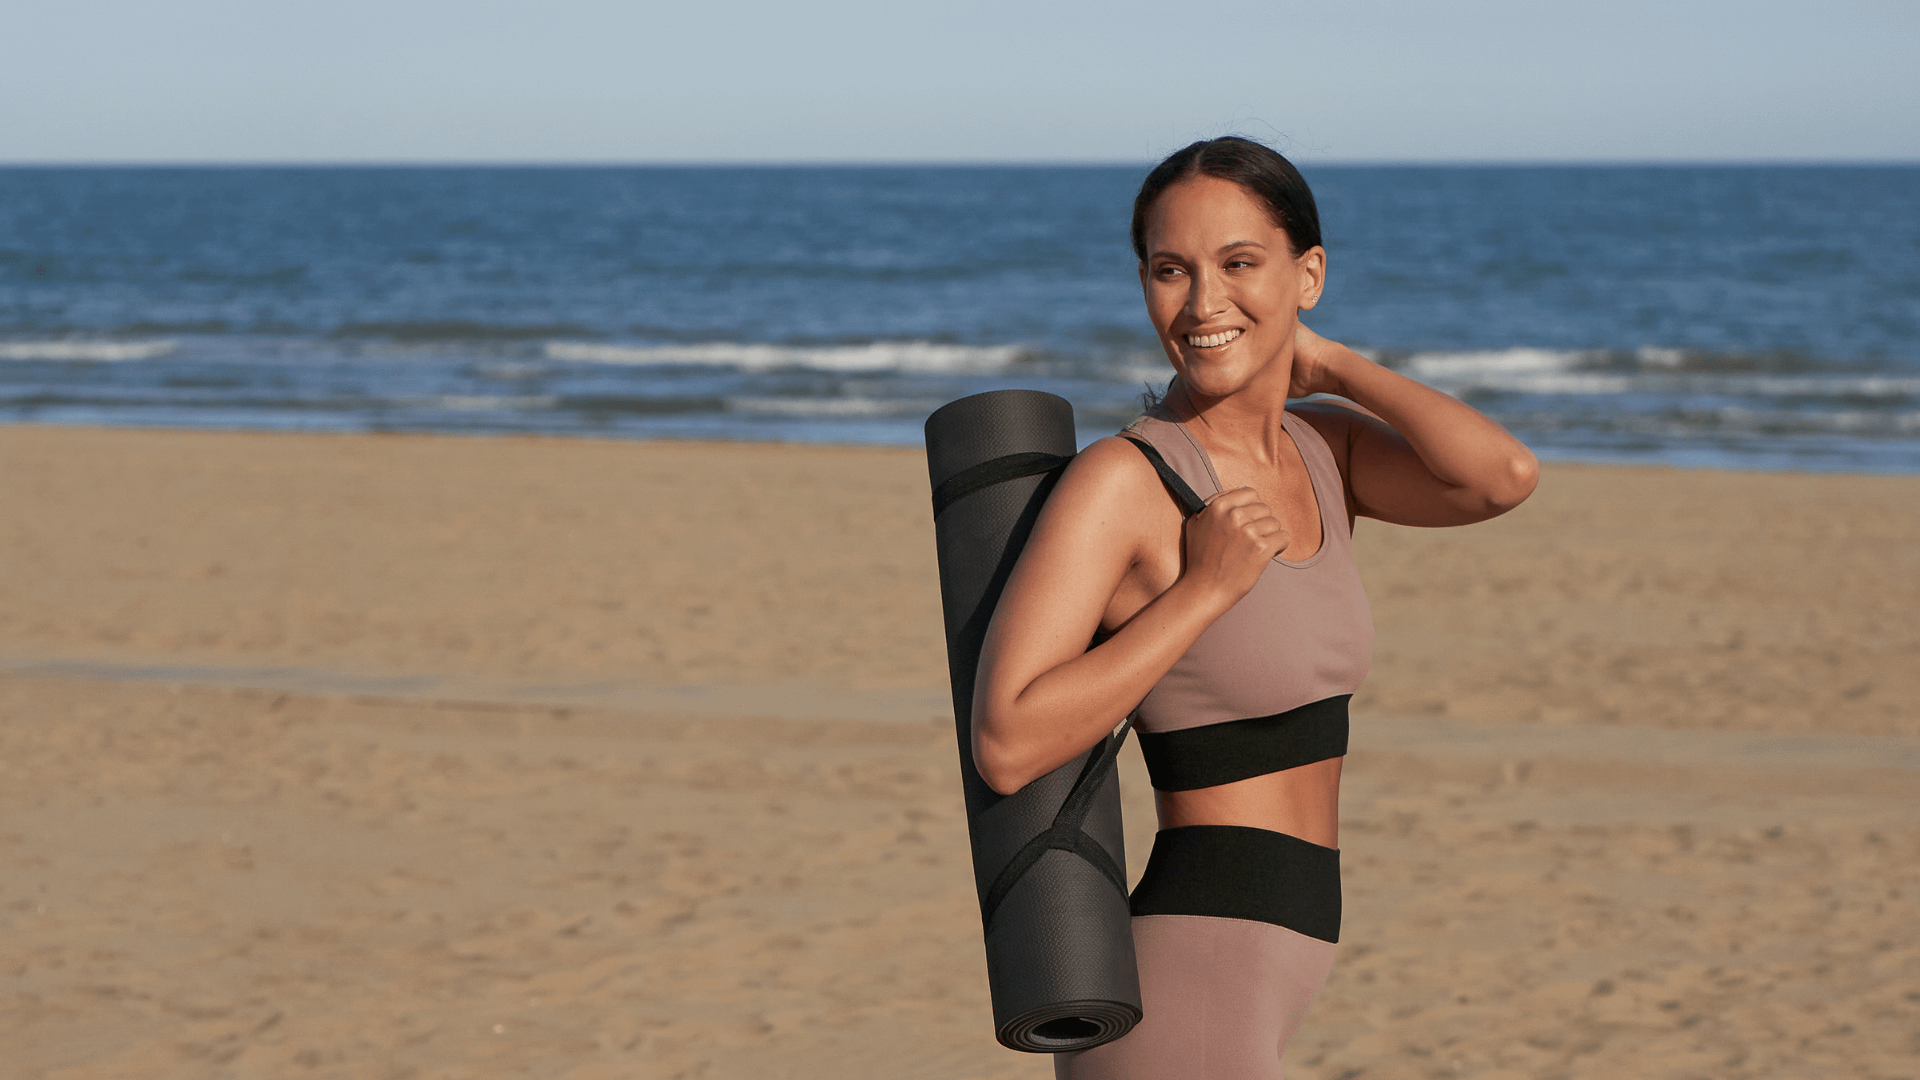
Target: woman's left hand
{"points": [[1414, 456], [1313, 360]]}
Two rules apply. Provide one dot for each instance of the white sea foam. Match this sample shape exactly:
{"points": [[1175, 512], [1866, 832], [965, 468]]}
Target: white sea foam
{"points": [[1550, 382], [508, 370], [1863, 386], [95, 350], [881, 356], [1656, 356], [1734, 419], [487, 402], [1572, 372], [1490, 364], [1519, 370], [834, 407]]}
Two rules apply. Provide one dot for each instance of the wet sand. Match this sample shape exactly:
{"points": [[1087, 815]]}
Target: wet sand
{"points": [[403, 756]]}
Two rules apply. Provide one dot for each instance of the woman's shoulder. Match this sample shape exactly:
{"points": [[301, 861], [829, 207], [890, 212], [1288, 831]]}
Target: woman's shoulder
{"points": [[1108, 500], [1331, 418], [1336, 422], [1113, 467], [1110, 481]]}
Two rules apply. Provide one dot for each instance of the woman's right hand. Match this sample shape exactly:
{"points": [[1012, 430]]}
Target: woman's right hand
{"points": [[1229, 544]]}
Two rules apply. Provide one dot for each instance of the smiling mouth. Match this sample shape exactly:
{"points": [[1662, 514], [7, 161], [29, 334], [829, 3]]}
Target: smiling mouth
{"points": [[1212, 341]]}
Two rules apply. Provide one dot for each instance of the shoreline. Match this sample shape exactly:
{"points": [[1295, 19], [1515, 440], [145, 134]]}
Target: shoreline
{"points": [[731, 441]]}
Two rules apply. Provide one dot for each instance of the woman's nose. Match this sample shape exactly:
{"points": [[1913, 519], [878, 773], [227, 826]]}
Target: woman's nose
{"points": [[1206, 297]]}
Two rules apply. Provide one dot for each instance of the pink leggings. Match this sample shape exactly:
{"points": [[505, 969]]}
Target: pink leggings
{"points": [[1222, 998]]}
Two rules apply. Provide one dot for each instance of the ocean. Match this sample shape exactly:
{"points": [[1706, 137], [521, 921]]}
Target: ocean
{"points": [[1735, 317]]}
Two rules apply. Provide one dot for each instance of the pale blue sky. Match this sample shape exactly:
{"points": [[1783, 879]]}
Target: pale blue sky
{"points": [[988, 80]]}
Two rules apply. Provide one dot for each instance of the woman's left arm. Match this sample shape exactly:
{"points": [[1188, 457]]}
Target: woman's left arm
{"points": [[1423, 457]]}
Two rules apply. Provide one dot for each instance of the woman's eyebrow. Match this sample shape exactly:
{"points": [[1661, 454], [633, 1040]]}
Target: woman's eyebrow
{"points": [[1224, 248]]}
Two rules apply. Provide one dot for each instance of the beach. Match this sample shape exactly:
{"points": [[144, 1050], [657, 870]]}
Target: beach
{"points": [[433, 756]]}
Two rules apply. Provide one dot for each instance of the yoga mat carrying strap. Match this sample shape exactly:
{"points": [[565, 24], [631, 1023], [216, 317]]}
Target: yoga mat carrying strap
{"points": [[988, 473], [1066, 833], [1049, 860]]}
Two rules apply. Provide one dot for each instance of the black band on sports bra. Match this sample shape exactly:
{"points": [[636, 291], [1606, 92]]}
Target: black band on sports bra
{"points": [[1190, 502], [1202, 757], [1237, 872], [990, 472]]}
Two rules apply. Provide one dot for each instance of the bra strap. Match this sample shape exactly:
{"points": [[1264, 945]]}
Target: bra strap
{"points": [[1190, 503]]}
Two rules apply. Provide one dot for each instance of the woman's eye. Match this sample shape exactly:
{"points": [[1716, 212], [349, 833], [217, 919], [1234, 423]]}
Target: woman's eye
{"points": [[1168, 272]]}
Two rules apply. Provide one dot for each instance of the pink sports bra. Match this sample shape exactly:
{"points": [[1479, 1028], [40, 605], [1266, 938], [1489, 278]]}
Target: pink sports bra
{"points": [[1266, 687]]}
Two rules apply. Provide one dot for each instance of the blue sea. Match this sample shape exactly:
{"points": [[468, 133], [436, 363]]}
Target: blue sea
{"points": [[1746, 317]]}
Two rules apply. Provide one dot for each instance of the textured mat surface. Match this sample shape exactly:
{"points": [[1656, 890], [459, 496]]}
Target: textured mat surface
{"points": [[1059, 948]]}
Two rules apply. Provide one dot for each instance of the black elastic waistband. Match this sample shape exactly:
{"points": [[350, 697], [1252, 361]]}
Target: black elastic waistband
{"points": [[1215, 754], [1236, 872]]}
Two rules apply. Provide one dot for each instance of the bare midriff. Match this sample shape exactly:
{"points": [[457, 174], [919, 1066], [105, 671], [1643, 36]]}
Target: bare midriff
{"points": [[1302, 802]]}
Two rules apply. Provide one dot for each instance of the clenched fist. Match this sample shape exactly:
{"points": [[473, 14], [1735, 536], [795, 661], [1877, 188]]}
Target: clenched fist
{"points": [[1230, 543]]}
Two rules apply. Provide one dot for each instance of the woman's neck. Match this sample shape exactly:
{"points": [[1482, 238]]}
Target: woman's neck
{"points": [[1249, 423]]}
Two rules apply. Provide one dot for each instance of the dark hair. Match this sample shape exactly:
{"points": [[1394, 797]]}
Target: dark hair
{"points": [[1259, 169]]}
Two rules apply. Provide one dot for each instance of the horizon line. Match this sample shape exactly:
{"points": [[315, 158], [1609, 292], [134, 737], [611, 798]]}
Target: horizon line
{"points": [[909, 163]]}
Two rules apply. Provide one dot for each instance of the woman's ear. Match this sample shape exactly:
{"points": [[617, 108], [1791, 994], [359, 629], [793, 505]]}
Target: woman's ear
{"points": [[1313, 275]]}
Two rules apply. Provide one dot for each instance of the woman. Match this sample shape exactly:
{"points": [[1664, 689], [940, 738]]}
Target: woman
{"points": [[1230, 614]]}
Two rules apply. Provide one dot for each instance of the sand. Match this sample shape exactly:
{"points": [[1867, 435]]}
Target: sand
{"points": [[396, 756]]}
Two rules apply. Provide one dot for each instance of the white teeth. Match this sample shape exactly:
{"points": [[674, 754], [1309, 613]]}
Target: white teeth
{"points": [[1208, 341]]}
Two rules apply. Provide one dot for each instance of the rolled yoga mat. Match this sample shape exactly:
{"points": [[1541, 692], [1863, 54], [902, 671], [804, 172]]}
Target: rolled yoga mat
{"points": [[1048, 860]]}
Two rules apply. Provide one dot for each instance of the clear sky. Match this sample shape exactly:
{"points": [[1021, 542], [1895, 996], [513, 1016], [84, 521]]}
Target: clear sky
{"points": [[985, 80]]}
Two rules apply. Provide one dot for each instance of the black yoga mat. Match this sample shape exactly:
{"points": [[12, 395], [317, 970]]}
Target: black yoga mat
{"points": [[1048, 860]]}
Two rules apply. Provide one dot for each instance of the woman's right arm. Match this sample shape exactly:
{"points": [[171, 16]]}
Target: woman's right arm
{"points": [[1042, 697]]}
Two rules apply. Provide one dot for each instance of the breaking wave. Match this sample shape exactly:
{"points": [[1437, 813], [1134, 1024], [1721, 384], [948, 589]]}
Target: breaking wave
{"points": [[1664, 372], [832, 407], [84, 350], [918, 357]]}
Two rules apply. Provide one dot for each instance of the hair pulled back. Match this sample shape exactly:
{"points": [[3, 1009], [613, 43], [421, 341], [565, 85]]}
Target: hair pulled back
{"points": [[1258, 168]]}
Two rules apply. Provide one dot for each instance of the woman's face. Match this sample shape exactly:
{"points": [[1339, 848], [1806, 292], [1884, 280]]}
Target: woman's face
{"points": [[1223, 289]]}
